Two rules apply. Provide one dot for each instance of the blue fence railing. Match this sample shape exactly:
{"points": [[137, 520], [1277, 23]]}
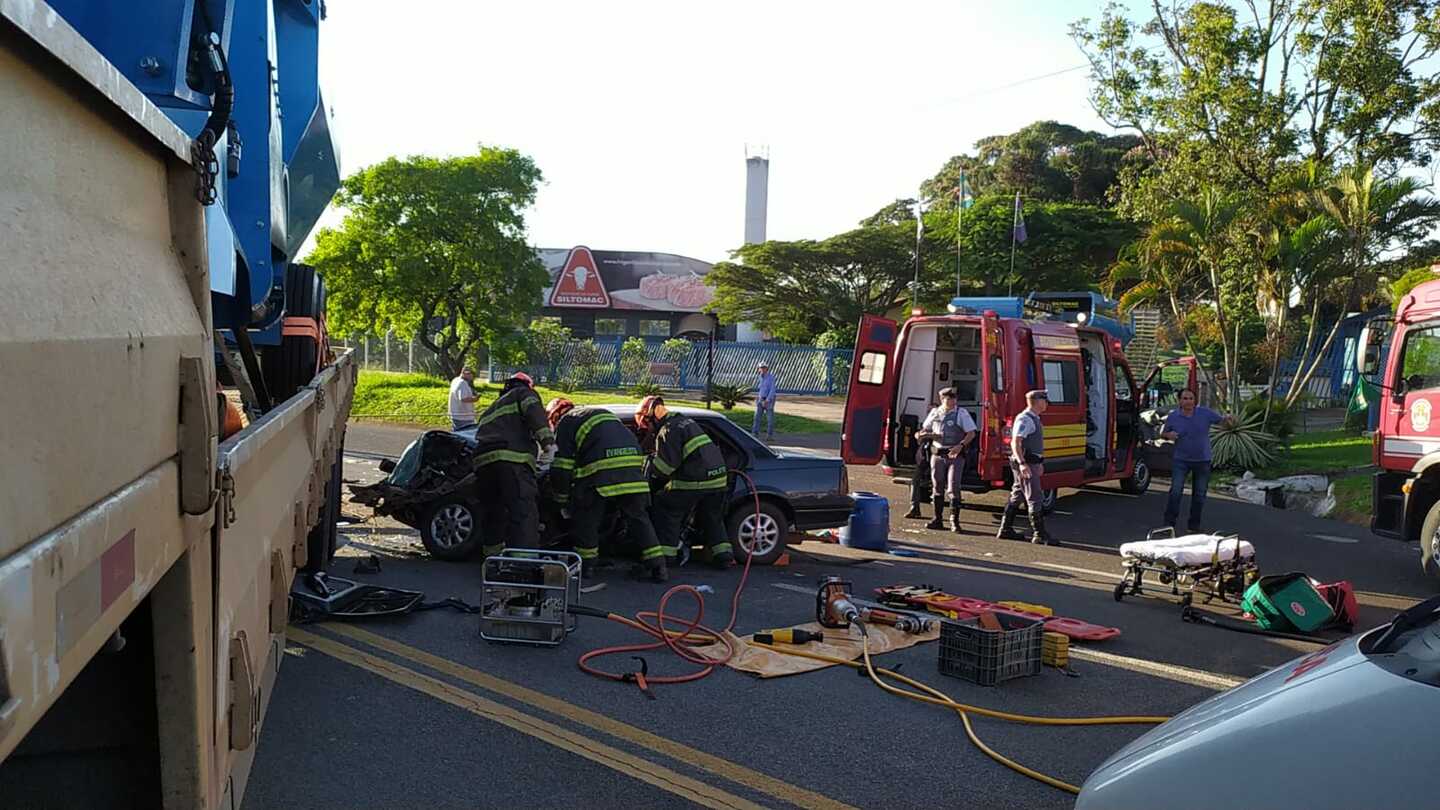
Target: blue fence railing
{"points": [[605, 363]]}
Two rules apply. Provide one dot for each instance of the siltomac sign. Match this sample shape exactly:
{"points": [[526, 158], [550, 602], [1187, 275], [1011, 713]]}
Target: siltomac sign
{"points": [[581, 278]]}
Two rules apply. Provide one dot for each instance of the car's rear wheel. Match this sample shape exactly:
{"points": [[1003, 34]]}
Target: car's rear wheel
{"points": [[450, 528], [761, 534]]}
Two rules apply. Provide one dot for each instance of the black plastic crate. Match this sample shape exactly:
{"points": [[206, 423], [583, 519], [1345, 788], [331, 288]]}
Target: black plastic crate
{"points": [[989, 657]]}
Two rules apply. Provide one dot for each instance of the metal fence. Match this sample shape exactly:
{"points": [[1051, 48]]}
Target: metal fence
{"points": [[389, 353], [605, 363]]}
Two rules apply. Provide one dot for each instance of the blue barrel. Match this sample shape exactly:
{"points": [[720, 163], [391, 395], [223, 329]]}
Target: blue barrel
{"points": [[869, 526]]}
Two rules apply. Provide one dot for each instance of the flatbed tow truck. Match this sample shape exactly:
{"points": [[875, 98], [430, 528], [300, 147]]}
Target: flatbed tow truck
{"points": [[153, 199]]}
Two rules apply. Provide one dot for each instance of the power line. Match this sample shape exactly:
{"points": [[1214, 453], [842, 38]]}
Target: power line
{"points": [[997, 89]]}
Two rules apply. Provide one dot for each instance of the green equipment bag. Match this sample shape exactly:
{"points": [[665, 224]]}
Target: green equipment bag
{"points": [[1286, 602]]}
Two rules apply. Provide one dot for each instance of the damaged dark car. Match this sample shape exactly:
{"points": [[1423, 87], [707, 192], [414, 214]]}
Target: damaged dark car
{"points": [[431, 488]]}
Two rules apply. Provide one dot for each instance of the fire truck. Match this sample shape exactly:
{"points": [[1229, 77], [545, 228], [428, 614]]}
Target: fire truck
{"points": [[993, 350], [1405, 493]]}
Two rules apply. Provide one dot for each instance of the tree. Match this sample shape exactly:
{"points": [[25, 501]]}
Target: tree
{"points": [[545, 342], [435, 248], [795, 290]]}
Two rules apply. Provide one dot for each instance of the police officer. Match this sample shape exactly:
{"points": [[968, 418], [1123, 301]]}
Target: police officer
{"points": [[598, 464], [949, 430], [506, 437], [1027, 464], [691, 470]]}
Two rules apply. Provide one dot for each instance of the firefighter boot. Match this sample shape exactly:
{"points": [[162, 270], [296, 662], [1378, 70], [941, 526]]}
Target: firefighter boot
{"points": [[955, 519], [939, 521], [1038, 535], [1007, 523], [914, 511]]}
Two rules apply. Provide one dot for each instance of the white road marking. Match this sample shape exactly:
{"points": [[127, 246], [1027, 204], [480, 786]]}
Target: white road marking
{"points": [[1172, 672], [785, 586], [1334, 538], [1091, 571]]}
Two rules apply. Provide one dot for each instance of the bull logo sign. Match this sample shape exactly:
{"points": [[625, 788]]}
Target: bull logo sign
{"points": [[1420, 415], [579, 283]]}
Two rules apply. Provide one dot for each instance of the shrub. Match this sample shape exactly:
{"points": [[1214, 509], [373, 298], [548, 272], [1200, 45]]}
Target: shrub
{"points": [[545, 344], [585, 366], [634, 361], [647, 388], [676, 350], [1283, 419], [731, 395], [1241, 446]]}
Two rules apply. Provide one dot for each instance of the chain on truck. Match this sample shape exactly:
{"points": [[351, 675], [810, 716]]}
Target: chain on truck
{"points": [[161, 163], [993, 350], [1400, 357]]}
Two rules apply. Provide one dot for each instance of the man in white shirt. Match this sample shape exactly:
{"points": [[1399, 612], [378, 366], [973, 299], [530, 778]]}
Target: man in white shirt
{"points": [[950, 430], [462, 399]]}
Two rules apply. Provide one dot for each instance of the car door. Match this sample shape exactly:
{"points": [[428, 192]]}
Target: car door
{"points": [[1416, 393], [1059, 373], [872, 387], [993, 456]]}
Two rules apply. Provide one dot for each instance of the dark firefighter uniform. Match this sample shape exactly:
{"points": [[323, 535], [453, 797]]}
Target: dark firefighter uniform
{"points": [[692, 470], [597, 464], [507, 434]]}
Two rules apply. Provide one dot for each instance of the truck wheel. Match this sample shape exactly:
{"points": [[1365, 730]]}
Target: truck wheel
{"points": [[291, 365], [1430, 541], [320, 543], [1139, 480], [762, 535], [450, 528]]}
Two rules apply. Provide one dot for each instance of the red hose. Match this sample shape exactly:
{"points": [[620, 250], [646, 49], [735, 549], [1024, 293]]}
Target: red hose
{"points": [[657, 625]]}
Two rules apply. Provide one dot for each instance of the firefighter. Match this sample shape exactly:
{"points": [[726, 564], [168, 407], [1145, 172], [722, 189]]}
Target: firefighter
{"points": [[949, 430], [598, 464], [506, 436], [691, 470], [1027, 465]]}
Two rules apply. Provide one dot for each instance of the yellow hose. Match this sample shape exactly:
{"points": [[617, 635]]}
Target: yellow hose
{"points": [[937, 698]]}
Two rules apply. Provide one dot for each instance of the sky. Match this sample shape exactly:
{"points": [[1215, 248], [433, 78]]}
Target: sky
{"points": [[639, 113]]}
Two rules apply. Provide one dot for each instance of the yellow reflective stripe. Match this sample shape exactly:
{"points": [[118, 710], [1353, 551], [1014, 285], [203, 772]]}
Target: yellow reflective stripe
{"points": [[713, 483], [592, 421], [1065, 441], [617, 463], [721, 548], [544, 435], [694, 444], [496, 413], [563, 463], [512, 456], [1073, 429], [652, 552], [627, 488], [662, 465], [561, 497], [529, 398], [587, 553]]}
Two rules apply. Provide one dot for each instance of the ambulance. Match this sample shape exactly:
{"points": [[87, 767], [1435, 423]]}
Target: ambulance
{"points": [[993, 350]]}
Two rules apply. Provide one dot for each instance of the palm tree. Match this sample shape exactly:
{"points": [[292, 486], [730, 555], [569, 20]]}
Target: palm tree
{"points": [[1368, 216]]}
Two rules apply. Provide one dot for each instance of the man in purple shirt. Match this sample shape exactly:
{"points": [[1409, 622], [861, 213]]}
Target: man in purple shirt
{"points": [[1189, 427], [765, 401]]}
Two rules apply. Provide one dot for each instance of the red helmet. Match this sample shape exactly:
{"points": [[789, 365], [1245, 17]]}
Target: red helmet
{"points": [[523, 377], [650, 411], [557, 409]]}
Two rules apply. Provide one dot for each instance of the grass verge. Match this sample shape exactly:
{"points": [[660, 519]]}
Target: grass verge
{"points": [[421, 400]]}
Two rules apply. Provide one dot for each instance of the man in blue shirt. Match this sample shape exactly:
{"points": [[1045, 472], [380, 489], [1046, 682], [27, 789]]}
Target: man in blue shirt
{"points": [[765, 401], [1189, 427]]}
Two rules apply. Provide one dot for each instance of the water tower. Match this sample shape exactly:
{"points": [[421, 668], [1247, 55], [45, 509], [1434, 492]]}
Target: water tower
{"points": [[757, 191]]}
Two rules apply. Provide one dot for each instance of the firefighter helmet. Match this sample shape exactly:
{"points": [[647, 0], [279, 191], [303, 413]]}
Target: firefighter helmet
{"points": [[557, 409]]}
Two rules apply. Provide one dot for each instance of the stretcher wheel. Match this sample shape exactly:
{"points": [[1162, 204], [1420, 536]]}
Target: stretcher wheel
{"points": [[1120, 591]]}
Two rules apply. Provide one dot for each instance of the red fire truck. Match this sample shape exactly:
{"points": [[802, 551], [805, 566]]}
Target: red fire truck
{"points": [[1406, 491], [993, 357]]}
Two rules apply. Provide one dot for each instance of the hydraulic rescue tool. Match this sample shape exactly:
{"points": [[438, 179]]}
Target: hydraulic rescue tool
{"points": [[835, 607]]}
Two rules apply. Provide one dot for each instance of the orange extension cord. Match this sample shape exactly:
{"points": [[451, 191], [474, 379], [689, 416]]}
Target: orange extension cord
{"points": [[658, 623]]}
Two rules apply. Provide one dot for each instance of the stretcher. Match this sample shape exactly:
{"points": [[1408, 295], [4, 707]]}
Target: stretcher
{"points": [[1213, 565], [967, 607]]}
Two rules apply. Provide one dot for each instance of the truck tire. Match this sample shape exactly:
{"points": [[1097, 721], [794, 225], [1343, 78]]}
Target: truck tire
{"points": [[450, 528], [1139, 479], [770, 528], [321, 542], [1430, 541], [291, 365]]}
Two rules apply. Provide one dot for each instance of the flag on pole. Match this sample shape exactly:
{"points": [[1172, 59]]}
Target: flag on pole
{"points": [[1020, 235], [964, 195]]}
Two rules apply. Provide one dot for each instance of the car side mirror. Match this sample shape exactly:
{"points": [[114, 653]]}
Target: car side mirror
{"points": [[1367, 353], [387, 465]]}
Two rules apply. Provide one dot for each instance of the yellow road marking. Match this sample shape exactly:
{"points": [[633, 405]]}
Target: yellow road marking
{"points": [[739, 774], [637, 767]]}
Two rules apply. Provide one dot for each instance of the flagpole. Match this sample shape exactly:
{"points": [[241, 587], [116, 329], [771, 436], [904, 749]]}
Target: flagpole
{"points": [[959, 225], [919, 233], [1014, 234]]}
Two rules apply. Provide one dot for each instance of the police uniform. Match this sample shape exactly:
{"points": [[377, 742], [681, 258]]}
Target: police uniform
{"points": [[950, 427], [1027, 440], [598, 464], [691, 470], [506, 437]]}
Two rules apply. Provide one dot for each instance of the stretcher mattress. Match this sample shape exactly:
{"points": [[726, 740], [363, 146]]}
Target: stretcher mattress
{"points": [[1187, 550]]}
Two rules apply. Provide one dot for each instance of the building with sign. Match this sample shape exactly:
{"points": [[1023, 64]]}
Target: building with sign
{"points": [[611, 293]]}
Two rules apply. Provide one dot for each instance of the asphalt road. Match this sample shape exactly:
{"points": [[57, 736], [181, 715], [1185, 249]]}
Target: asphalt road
{"points": [[420, 712]]}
